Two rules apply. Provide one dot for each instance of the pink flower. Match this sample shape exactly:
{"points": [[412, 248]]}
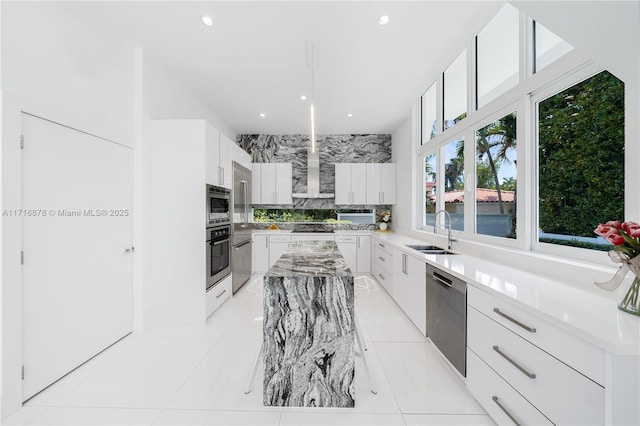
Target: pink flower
{"points": [[615, 239], [615, 223], [632, 229], [610, 232]]}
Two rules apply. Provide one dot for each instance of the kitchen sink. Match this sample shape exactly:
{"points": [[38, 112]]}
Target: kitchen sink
{"points": [[430, 249]]}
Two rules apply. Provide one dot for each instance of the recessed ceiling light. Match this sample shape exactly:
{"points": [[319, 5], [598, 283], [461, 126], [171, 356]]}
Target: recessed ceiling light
{"points": [[208, 21], [303, 98], [349, 115], [263, 115], [383, 20]]}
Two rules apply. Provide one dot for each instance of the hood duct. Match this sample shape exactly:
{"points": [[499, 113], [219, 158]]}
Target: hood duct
{"points": [[313, 177]]}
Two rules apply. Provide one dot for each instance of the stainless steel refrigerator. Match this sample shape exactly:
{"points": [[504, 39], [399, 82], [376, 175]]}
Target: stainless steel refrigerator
{"points": [[241, 214]]}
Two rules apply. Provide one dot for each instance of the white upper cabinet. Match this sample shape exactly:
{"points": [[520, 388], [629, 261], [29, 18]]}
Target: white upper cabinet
{"points": [[226, 172], [274, 186], [212, 155], [218, 158], [240, 156], [351, 183], [256, 183], [381, 183]]}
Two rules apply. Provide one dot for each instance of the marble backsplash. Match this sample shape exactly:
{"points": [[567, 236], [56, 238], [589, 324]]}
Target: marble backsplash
{"points": [[360, 148]]}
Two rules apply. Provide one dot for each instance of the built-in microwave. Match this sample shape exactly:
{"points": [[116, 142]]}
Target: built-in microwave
{"points": [[218, 205]]}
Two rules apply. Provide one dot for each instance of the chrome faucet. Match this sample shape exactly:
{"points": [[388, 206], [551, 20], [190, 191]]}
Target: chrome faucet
{"points": [[450, 239]]}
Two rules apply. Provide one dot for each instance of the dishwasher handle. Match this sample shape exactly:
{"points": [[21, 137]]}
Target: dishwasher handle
{"points": [[442, 280]]}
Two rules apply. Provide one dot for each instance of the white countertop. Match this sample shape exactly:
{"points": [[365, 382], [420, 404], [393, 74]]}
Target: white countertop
{"points": [[585, 314]]}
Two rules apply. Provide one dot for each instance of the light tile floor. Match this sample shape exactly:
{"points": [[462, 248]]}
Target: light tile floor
{"points": [[197, 376]]}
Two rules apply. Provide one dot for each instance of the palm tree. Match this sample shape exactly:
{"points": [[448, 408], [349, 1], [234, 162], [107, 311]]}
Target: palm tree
{"points": [[500, 134]]}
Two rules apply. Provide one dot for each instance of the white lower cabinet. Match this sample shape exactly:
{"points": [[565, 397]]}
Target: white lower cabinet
{"points": [[552, 385], [501, 401], [383, 265], [217, 295], [356, 250], [278, 244], [260, 253], [409, 288]]}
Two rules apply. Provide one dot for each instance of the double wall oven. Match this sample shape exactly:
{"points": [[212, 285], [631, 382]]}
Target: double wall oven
{"points": [[218, 235]]}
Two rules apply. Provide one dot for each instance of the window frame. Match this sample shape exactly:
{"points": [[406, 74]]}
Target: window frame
{"points": [[566, 71], [567, 81]]}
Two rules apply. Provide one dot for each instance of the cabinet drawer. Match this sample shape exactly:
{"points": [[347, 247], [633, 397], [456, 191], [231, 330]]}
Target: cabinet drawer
{"points": [[279, 238], [217, 295], [560, 392], [383, 258], [579, 354], [345, 238], [383, 277], [384, 247], [501, 401]]}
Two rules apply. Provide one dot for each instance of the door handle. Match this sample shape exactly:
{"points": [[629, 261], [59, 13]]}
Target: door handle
{"points": [[129, 250]]}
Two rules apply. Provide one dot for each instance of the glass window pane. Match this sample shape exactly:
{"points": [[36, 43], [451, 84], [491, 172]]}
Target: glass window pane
{"points": [[581, 161], [455, 91], [498, 55], [429, 115], [548, 47], [454, 183], [430, 200], [496, 176]]}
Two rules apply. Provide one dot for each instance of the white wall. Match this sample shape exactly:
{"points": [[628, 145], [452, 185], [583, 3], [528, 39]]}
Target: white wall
{"points": [[67, 71], [402, 154], [87, 77]]}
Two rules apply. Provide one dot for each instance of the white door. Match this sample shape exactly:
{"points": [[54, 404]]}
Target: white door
{"points": [[77, 272], [364, 254]]}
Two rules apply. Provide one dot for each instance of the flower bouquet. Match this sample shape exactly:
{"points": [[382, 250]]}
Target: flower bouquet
{"points": [[625, 238], [384, 219]]}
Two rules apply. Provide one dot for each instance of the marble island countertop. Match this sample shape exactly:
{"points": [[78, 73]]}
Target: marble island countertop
{"points": [[310, 258]]}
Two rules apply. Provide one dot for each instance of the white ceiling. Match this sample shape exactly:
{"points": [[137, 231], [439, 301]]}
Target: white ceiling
{"points": [[253, 60]]}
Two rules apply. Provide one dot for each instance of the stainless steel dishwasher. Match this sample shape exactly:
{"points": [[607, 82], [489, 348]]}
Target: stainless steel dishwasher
{"points": [[447, 316]]}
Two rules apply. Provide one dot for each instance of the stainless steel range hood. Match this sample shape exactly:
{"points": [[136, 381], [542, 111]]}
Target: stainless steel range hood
{"points": [[313, 177]]}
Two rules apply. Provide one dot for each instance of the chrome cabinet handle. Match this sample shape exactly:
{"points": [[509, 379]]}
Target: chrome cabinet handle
{"points": [[130, 250], [380, 275], [404, 264], [242, 245], [515, 321], [515, 364], [381, 258], [223, 292], [380, 245], [358, 240], [504, 410]]}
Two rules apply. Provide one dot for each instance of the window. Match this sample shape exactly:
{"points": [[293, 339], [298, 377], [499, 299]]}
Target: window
{"points": [[496, 178], [581, 161], [548, 47], [455, 91], [316, 215], [429, 114], [430, 189], [497, 55], [454, 183]]}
